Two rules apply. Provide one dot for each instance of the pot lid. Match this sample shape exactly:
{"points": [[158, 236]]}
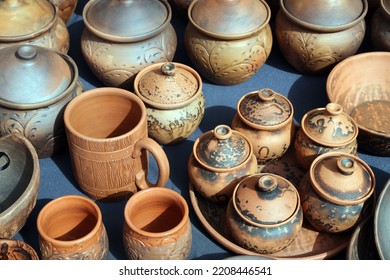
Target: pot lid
{"points": [[167, 85], [265, 109], [32, 74], [329, 126], [126, 20], [342, 178], [266, 199]]}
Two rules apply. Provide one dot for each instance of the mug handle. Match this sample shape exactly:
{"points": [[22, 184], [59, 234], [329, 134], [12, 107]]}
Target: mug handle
{"points": [[162, 162]]}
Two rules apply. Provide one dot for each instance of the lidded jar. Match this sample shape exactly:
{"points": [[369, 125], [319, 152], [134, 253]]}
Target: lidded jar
{"points": [[228, 40], [266, 118], [172, 94], [219, 160], [264, 214], [325, 130], [335, 191], [124, 36]]}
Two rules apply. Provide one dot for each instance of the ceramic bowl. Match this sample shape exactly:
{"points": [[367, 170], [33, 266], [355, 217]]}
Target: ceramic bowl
{"points": [[11, 249], [361, 85], [382, 223]]}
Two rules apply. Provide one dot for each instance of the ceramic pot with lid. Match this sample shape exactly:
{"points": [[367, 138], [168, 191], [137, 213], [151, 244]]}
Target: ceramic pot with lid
{"points": [[121, 37], [264, 214], [172, 94], [380, 27], [228, 40], [315, 36], [36, 85], [266, 118], [219, 160], [32, 22]]}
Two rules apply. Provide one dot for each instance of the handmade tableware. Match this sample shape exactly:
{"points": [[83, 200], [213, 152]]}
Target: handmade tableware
{"points": [[12, 249], [380, 27]]}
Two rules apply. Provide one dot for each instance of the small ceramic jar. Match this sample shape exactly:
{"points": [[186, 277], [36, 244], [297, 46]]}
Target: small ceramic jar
{"points": [[264, 214], [219, 160], [335, 191], [122, 37], [380, 27], [325, 130], [266, 118], [172, 94]]}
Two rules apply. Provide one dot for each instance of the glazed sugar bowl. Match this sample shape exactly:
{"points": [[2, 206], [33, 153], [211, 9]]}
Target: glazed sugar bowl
{"points": [[264, 214], [335, 191], [172, 93], [219, 159]]}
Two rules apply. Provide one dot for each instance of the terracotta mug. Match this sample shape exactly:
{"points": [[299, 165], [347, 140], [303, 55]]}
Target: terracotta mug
{"points": [[157, 225], [108, 144], [71, 228]]}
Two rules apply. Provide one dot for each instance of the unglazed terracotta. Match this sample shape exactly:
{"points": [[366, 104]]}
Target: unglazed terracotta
{"points": [[157, 226], [65, 8], [172, 93], [35, 22], [109, 145], [360, 84], [325, 130], [314, 37], [228, 41], [266, 118], [380, 27], [70, 227], [12, 249], [121, 37], [220, 158]]}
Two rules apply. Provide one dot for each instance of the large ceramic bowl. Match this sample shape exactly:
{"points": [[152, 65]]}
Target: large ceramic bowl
{"points": [[382, 223], [361, 85]]}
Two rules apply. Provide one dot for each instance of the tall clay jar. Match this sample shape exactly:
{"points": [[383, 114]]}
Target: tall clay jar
{"points": [[315, 36], [380, 27], [266, 118], [228, 40]]}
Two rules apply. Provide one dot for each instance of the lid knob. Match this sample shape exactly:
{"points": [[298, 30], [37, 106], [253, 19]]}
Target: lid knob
{"points": [[266, 94], [334, 109], [346, 165], [168, 69], [267, 183], [222, 132], [26, 52]]}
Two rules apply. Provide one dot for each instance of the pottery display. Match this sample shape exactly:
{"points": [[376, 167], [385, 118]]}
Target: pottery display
{"points": [[220, 158], [20, 181], [35, 22], [36, 85], [157, 226], [12, 249], [381, 223], [380, 27], [121, 37], [314, 37], [228, 41], [172, 93], [266, 118], [325, 130], [65, 8]]}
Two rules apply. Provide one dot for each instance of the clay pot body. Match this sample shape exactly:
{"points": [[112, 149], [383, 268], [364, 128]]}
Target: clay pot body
{"points": [[70, 228], [222, 50], [157, 226], [316, 37], [65, 8], [117, 43], [380, 27]]}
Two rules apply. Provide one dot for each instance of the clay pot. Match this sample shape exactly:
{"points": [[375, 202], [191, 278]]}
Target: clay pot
{"points": [[12, 249], [157, 226], [228, 40], [219, 160], [34, 22], [325, 130], [172, 93], [380, 27], [264, 214], [37, 83], [266, 118], [335, 190], [315, 36], [124, 36], [65, 8]]}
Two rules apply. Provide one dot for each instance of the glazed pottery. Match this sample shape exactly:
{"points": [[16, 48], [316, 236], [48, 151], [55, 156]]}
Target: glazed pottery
{"points": [[266, 118], [109, 145], [219, 160], [361, 85], [65, 8], [264, 214], [325, 130], [380, 27], [19, 183], [70, 227], [315, 36], [335, 191], [157, 226], [121, 37], [228, 40], [172, 93], [12, 249], [35, 22], [36, 85], [382, 224]]}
